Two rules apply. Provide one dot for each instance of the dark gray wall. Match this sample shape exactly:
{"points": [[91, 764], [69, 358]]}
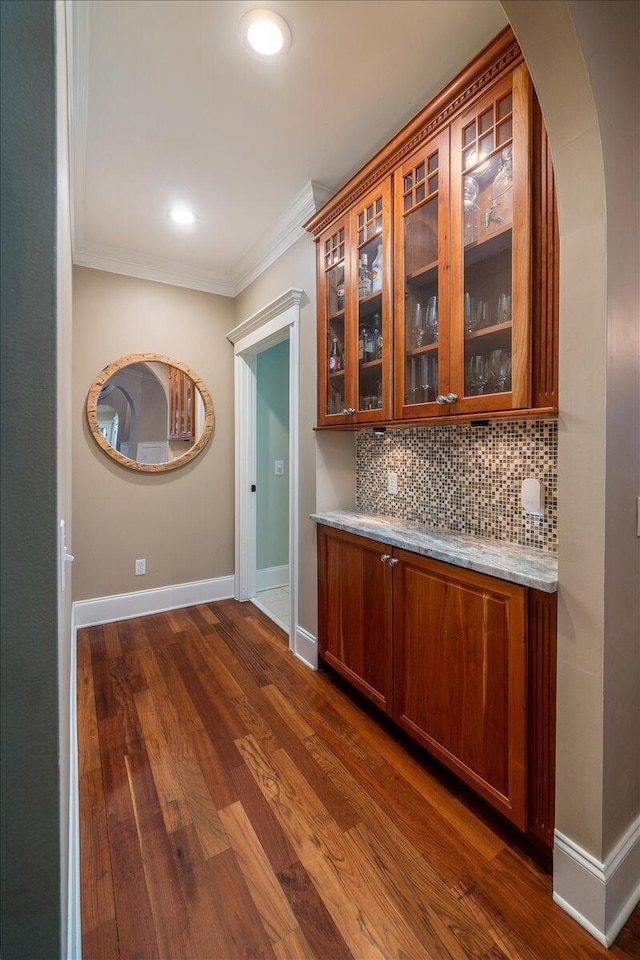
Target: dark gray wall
{"points": [[30, 829]]}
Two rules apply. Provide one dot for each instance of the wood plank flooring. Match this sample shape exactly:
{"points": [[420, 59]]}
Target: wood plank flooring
{"points": [[233, 804]]}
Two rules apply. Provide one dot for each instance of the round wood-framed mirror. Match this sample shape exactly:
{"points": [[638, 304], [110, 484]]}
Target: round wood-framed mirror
{"points": [[149, 412]]}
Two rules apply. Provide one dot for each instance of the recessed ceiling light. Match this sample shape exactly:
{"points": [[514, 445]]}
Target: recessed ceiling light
{"points": [[264, 34], [182, 216]]}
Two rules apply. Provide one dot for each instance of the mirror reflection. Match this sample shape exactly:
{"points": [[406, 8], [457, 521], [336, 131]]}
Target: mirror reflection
{"points": [[149, 413]]}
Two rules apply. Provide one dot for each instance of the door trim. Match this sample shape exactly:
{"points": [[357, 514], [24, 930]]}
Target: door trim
{"points": [[274, 323]]}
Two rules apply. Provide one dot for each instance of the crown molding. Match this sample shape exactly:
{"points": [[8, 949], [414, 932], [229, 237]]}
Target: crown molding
{"points": [[132, 264], [286, 231]]}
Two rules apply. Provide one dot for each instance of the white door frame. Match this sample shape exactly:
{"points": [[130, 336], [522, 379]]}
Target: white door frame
{"points": [[274, 323]]}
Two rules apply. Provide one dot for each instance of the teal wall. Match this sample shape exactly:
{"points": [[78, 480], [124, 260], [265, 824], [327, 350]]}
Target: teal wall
{"points": [[30, 818], [272, 504]]}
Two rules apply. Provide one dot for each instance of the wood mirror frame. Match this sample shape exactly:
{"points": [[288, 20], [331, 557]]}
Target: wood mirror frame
{"points": [[92, 413]]}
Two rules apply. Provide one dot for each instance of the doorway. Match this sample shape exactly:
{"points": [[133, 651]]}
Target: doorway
{"points": [[278, 322], [272, 489]]}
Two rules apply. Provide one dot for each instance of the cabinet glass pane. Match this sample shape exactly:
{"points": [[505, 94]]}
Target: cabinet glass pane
{"points": [[371, 335], [487, 201], [421, 282], [335, 293]]}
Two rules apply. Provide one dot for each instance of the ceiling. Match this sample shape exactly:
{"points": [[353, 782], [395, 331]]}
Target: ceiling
{"points": [[167, 108]]}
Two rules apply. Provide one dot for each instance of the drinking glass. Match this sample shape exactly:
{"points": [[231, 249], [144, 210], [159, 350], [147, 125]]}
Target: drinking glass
{"points": [[418, 327], [468, 315], [478, 372], [431, 319], [504, 308], [427, 381], [501, 368]]}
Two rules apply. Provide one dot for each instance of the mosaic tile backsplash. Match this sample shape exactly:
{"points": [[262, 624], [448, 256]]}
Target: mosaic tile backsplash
{"points": [[464, 478]]}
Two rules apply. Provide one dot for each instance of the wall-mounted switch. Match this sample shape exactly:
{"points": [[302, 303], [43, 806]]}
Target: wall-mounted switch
{"points": [[141, 567], [279, 468], [392, 483], [533, 497]]}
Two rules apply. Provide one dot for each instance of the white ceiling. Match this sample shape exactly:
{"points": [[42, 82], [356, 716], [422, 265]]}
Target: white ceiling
{"points": [[168, 108]]}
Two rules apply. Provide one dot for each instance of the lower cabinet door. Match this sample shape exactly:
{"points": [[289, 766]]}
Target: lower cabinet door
{"points": [[355, 611], [460, 675]]}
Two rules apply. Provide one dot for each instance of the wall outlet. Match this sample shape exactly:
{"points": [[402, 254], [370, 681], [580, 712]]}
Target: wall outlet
{"points": [[279, 468], [141, 567], [392, 483]]}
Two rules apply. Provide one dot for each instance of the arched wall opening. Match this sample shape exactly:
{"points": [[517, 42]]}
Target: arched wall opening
{"points": [[583, 59]]}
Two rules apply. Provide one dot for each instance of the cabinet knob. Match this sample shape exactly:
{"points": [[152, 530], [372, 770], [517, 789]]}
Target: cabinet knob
{"points": [[385, 557], [451, 397], [441, 399], [348, 411], [393, 561]]}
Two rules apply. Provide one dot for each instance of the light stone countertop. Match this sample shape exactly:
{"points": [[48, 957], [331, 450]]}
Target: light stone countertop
{"points": [[498, 558]]}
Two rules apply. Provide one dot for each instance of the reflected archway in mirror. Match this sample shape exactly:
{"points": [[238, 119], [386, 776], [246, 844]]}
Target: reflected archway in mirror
{"points": [[149, 412]]}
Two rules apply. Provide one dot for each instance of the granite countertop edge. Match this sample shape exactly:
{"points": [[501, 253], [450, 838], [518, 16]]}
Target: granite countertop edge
{"points": [[497, 558]]}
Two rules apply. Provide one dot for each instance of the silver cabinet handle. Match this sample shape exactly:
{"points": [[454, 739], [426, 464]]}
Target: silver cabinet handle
{"points": [[348, 411], [451, 397], [441, 399], [393, 562], [385, 557]]}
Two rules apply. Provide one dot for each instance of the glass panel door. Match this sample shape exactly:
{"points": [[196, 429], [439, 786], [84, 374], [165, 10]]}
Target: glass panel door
{"points": [[421, 208], [487, 227], [372, 270], [334, 248]]}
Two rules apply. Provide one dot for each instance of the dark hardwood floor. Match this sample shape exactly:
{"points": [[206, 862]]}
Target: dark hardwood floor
{"points": [[235, 804]]}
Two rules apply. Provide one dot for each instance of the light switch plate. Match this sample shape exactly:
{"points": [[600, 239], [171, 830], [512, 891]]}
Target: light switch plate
{"points": [[279, 468], [392, 483]]}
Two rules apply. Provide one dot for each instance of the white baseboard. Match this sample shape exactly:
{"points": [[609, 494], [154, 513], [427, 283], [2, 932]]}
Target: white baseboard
{"points": [[74, 919], [305, 647], [268, 578], [600, 896], [124, 606]]}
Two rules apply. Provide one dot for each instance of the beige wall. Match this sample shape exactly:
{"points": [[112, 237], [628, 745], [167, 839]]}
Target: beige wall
{"points": [[181, 522], [586, 76], [296, 268]]}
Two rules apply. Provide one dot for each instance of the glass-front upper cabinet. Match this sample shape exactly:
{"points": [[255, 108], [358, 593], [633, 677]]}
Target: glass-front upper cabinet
{"points": [[334, 277], [354, 332], [421, 291], [371, 304], [491, 251]]}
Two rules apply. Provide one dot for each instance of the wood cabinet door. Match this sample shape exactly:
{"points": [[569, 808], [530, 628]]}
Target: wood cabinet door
{"points": [[491, 215], [336, 343], [421, 282], [371, 310], [460, 675], [354, 612]]}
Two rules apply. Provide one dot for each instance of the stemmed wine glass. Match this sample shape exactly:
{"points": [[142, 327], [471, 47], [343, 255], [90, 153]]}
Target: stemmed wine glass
{"points": [[500, 362], [428, 367], [413, 387], [478, 372], [431, 319]]}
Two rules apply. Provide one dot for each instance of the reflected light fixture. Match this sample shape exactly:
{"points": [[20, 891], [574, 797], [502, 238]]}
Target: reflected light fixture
{"points": [[379, 431], [264, 34], [182, 216]]}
